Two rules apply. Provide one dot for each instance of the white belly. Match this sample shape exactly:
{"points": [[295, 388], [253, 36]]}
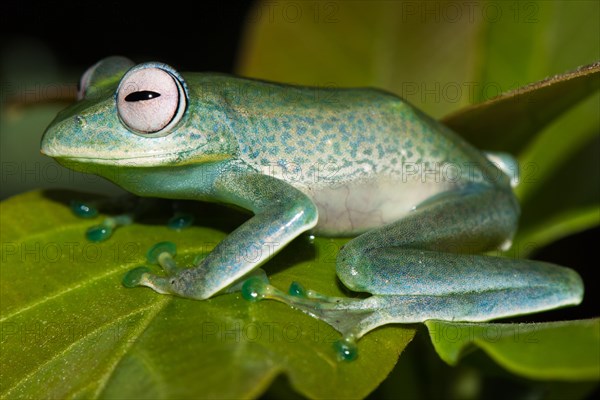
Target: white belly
{"points": [[353, 208]]}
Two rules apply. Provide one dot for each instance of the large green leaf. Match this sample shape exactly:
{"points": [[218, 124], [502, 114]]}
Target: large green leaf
{"points": [[531, 350], [440, 56], [511, 119], [69, 329]]}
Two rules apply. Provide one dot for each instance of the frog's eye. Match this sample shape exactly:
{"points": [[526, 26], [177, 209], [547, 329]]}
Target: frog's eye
{"points": [[84, 82], [105, 72], [150, 101]]}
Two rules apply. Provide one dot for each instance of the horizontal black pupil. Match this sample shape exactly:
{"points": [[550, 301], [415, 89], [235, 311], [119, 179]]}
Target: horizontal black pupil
{"points": [[142, 95]]}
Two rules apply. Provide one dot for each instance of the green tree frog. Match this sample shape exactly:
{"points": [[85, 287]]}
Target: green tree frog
{"points": [[422, 203]]}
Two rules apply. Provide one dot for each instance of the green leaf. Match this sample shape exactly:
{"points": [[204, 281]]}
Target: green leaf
{"points": [[560, 194], [70, 329], [509, 121], [553, 350]]}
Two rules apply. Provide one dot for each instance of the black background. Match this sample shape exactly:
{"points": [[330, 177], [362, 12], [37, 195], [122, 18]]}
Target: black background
{"points": [[200, 35]]}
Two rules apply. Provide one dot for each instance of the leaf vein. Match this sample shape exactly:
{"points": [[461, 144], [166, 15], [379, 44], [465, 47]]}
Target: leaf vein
{"points": [[119, 354], [101, 328], [60, 293]]}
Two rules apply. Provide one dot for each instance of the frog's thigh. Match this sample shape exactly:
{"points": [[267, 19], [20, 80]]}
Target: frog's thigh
{"points": [[473, 220], [425, 266]]}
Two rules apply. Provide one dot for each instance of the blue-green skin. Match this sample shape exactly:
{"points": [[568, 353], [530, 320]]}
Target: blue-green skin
{"points": [[330, 161]]}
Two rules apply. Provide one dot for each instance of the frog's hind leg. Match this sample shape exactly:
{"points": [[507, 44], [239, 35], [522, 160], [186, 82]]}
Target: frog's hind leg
{"points": [[474, 219], [428, 266], [435, 253]]}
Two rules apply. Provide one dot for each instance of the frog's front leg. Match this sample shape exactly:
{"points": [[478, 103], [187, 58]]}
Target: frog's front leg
{"points": [[281, 213]]}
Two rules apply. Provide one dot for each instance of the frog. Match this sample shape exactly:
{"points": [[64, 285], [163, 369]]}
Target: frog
{"points": [[422, 207]]}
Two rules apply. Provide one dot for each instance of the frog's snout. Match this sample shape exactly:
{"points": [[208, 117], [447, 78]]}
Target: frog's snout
{"points": [[59, 138], [44, 149]]}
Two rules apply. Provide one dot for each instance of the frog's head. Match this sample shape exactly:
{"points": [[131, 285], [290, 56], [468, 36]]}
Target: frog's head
{"points": [[136, 116]]}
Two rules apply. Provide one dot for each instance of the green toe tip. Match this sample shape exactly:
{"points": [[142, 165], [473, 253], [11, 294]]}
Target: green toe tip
{"points": [[98, 233], [83, 210], [158, 249], [297, 290], [346, 350], [133, 277], [181, 221], [254, 289]]}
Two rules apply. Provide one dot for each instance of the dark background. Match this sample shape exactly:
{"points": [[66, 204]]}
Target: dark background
{"points": [[200, 35]]}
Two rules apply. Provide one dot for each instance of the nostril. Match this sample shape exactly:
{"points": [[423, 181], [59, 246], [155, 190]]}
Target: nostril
{"points": [[80, 120]]}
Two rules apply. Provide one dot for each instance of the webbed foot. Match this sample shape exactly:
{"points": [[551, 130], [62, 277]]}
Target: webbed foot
{"points": [[343, 314]]}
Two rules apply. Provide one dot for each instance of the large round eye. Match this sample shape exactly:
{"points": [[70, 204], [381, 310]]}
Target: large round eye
{"points": [[84, 82], [102, 73], [150, 100]]}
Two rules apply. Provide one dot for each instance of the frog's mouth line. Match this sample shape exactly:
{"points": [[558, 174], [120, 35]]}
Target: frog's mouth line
{"points": [[142, 160], [112, 161]]}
